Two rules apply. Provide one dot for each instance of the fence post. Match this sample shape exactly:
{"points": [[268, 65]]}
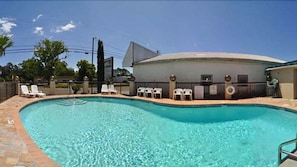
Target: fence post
{"points": [[172, 85], [227, 83], [17, 85], [86, 85], [132, 89], [52, 86]]}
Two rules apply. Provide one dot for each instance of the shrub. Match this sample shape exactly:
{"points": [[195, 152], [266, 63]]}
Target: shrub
{"points": [[75, 88]]}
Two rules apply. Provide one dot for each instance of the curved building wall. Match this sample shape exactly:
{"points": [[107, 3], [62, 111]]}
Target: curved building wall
{"points": [[191, 70]]}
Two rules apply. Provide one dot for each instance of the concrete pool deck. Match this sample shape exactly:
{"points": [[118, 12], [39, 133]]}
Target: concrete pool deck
{"points": [[18, 149]]}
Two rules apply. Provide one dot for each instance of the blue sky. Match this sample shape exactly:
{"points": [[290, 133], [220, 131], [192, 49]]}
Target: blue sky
{"points": [[266, 28]]}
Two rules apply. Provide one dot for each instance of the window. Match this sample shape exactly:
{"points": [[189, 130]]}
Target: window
{"points": [[242, 78], [206, 78]]}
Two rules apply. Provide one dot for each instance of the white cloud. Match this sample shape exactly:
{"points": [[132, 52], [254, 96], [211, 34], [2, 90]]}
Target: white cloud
{"points": [[6, 25], [38, 31], [66, 27], [37, 18]]}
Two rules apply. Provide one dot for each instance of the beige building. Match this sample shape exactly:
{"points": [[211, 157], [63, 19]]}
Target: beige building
{"points": [[286, 74], [197, 67], [202, 71], [248, 72]]}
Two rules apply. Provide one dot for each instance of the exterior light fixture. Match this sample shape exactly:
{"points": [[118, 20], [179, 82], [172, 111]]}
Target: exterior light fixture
{"points": [[172, 77], [227, 78]]}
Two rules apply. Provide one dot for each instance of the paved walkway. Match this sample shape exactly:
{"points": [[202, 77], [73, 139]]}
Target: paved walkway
{"points": [[18, 149]]}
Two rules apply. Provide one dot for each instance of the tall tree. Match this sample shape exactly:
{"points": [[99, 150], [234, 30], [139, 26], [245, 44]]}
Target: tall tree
{"points": [[85, 69], [5, 42], [100, 66], [122, 72], [29, 69], [8, 72], [62, 70], [48, 54]]}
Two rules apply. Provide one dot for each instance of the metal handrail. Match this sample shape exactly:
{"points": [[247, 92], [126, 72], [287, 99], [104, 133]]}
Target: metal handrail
{"points": [[280, 150]]}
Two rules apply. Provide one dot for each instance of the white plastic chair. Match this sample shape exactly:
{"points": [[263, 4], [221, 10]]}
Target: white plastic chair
{"points": [[156, 92], [34, 89], [104, 89], [148, 92], [178, 93], [187, 94], [140, 91], [111, 89], [25, 91]]}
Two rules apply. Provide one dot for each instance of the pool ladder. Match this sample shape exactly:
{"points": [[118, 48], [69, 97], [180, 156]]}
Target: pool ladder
{"points": [[290, 155]]}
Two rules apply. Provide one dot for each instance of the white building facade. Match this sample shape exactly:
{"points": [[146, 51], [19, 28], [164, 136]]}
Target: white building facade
{"points": [[204, 69], [196, 67]]}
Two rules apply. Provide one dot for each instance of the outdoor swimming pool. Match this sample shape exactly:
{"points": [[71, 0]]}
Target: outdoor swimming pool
{"points": [[123, 132]]}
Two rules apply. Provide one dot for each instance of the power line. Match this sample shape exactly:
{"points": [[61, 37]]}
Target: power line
{"points": [[73, 50], [113, 47], [113, 51], [20, 46]]}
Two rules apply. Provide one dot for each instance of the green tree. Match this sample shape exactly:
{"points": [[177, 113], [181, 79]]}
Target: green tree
{"points": [[29, 69], [85, 69], [62, 70], [122, 72], [8, 72], [100, 66], [47, 52], [5, 42]]}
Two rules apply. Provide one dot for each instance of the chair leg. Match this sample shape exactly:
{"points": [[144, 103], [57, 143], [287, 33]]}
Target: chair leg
{"points": [[180, 97]]}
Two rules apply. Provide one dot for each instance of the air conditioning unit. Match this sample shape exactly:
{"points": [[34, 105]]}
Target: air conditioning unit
{"points": [[206, 79]]}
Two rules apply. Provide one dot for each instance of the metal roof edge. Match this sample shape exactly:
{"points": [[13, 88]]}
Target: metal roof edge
{"points": [[204, 55], [288, 64]]}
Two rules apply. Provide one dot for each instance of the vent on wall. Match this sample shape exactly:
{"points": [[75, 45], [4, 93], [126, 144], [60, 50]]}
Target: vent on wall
{"points": [[206, 79]]}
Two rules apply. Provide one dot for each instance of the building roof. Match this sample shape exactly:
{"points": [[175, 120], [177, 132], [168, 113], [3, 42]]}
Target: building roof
{"points": [[137, 53], [290, 64], [212, 55]]}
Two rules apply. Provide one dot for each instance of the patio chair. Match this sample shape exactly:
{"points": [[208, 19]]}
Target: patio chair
{"points": [[148, 92], [178, 94], [25, 91], [34, 89], [156, 92], [140, 91], [104, 89], [187, 94], [111, 89]]}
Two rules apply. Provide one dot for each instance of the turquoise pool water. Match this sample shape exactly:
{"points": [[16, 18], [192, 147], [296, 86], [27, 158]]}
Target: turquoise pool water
{"points": [[122, 132]]}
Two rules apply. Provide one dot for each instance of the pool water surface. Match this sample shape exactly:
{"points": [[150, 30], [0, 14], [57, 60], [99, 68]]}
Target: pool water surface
{"points": [[123, 132]]}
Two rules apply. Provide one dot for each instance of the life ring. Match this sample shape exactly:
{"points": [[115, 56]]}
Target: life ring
{"points": [[230, 90]]}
